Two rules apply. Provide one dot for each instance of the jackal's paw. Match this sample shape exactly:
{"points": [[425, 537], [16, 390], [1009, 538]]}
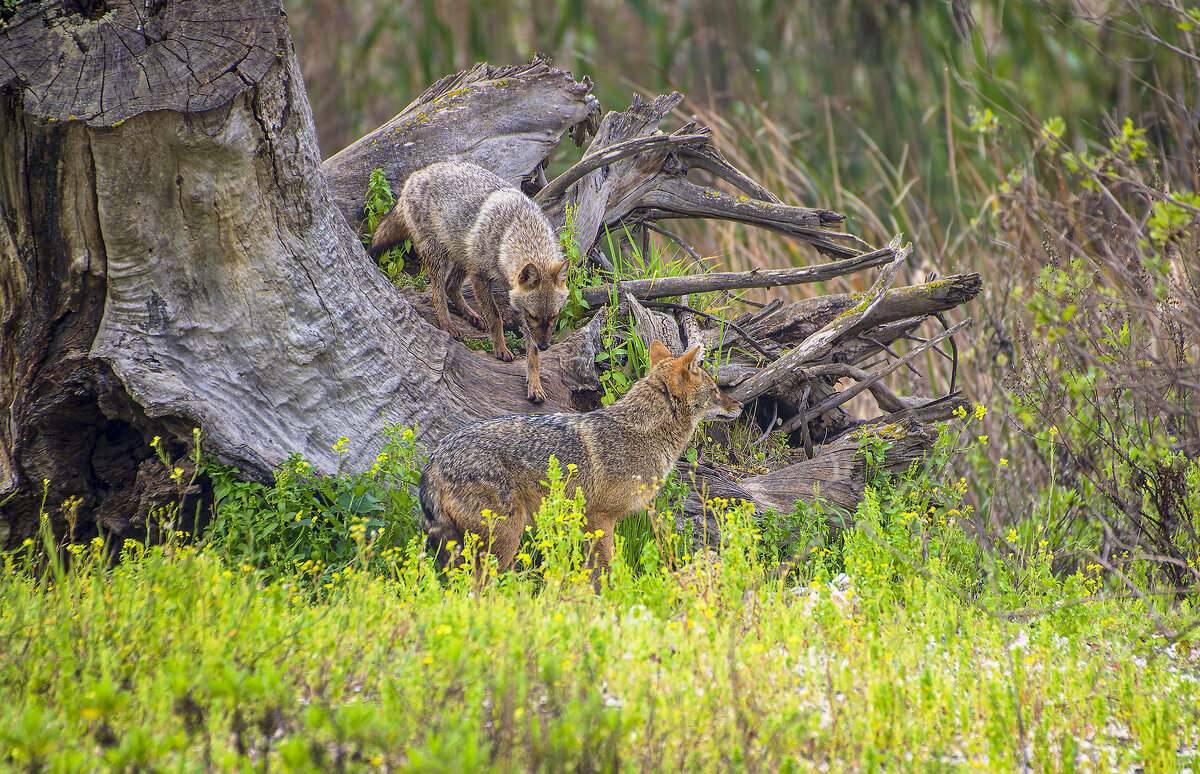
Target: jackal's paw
{"points": [[502, 353], [455, 333], [474, 318], [536, 394]]}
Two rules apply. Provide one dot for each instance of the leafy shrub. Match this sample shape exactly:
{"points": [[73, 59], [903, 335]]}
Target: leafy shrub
{"points": [[580, 275], [315, 525], [561, 545], [910, 528], [1103, 396], [378, 203]]}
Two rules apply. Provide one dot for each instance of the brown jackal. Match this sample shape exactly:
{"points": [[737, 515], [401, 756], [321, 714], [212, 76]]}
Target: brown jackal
{"points": [[464, 220], [621, 452]]}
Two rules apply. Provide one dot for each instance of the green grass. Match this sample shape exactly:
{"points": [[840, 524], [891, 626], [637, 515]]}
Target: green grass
{"points": [[929, 655], [176, 661]]}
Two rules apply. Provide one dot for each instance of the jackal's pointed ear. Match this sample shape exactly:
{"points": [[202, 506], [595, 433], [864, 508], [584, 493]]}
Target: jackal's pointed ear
{"points": [[675, 382], [684, 372], [529, 276], [689, 360], [558, 272], [658, 352]]}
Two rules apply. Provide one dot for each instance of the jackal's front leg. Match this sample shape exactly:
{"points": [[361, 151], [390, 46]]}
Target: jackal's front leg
{"points": [[533, 377], [491, 315], [602, 551]]}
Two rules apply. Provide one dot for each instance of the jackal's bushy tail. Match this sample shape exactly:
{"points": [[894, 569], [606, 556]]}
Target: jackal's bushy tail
{"points": [[392, 230], [440, 531]]}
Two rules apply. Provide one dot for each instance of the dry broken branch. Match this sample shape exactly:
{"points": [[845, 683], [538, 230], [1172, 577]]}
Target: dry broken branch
{"points": [[938, 410], [711, 160], [798, 320], [887, 400], [675, 197], [611, 155], [819, 344], [687, 311], [866, 381], [663, 287]]}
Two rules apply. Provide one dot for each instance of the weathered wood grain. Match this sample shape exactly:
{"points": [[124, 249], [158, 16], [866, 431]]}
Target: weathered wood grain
{"points": [[105, 62], [798, 320]]}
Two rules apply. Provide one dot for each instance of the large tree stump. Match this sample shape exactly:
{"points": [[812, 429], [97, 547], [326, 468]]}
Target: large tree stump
{"points": [[172, 258]]}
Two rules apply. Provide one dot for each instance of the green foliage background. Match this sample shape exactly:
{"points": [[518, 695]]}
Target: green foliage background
{"points": [[838, 80], [214, 656]]}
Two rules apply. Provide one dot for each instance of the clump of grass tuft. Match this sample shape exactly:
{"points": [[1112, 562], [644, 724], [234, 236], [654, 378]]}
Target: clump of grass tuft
{"points": [[318, 526]]}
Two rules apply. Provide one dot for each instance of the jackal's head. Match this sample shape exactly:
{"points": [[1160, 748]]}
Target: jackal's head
{"points": [[692, 385], [539, 295]]}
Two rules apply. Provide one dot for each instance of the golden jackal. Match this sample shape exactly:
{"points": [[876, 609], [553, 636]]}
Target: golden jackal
{"points": [[621, 452], [464, 220]]}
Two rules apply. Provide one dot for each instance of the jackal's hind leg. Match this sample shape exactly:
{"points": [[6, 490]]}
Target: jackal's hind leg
{"points": [[505, 543], [439, 271], [499, 535], [454, 283], [495, 323], [506, 538]]}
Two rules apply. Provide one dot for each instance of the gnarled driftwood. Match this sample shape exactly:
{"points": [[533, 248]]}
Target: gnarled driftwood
{"points": [[176, 255]]}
